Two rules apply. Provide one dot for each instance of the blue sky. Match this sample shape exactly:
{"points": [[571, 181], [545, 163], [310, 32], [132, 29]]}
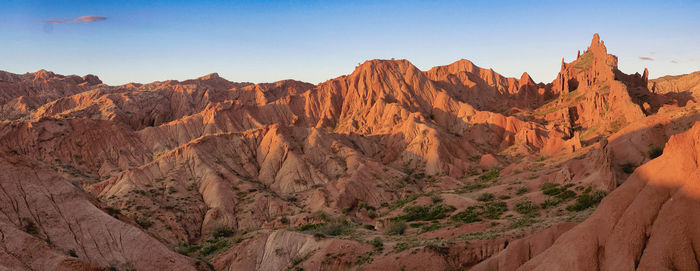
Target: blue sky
{"points": [[313, 41]]}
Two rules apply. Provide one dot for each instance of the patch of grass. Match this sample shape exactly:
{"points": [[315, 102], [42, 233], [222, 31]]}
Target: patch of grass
{"points": [[587, 200], [486, 197], [332, 227], [401, 202], [430, 227], [426, 212], [526, 207], [585, 61], [490, 210], [491, 174], [470, 187], [222, 231], [143, 221], [214, 247], [522, 222], [522, 190], [377, 243]]}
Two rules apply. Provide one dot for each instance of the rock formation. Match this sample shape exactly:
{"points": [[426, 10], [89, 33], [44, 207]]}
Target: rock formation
{"points": [[387, 168]]}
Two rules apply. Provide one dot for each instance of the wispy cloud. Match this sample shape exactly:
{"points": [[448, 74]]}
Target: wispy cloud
{"points": [[646, 58], [81, 19]]}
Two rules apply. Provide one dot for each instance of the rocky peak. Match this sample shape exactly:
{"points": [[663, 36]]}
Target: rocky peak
{"points": [[43, 75], [525, 79]]}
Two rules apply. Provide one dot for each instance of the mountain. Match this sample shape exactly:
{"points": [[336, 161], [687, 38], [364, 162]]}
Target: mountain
{"points": [[386, 168]]}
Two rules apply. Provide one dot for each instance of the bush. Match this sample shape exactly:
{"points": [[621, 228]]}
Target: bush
{"points": [[220, 244], [587, 200], [396, 228], [426, 212], [486, 197], [550, 202], [143, 221], [526, 207], [522, 222], [655, 152], [490, 175], [522, 190], [491, 210], [430, 227], [377, 243], [332, 227], [222, 231]]}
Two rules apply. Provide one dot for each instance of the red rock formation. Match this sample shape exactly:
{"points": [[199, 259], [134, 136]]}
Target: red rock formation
{"points": [[645, 224], [237, 173]]}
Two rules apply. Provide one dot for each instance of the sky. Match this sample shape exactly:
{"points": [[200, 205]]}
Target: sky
{"points": [[314, 41]]}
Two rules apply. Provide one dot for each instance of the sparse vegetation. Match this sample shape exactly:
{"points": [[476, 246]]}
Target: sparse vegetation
{"points": [[491, 174], [425, 212], [587, 199], [143, 221], [331, 227], [522, 190], [396, 228], [526, 207], [222, 231], [486, 197], [377, 243], [490, 210], [585, 61]]}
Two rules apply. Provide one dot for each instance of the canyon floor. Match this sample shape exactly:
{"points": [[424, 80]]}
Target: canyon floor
{"points": [[387, 168]]}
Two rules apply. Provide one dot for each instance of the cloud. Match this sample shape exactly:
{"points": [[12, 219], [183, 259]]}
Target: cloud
{"points": [[81, 19], [89, 19], [674, 61], [646, 58]]}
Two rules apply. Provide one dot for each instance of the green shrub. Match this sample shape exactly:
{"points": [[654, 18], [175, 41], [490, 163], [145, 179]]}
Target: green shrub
{"points": [[396, 228], [550, 189], [490, 210], [209, 249], [490, 175], [504, 197], [587, 200], [486, 197], [377, 243], [526, 207], [655, 152], [522, 190], [143, 221], [332, 227], [524, 221], [430, 227], [222, 231], [550, 202], [426, 212], [566, 194]]}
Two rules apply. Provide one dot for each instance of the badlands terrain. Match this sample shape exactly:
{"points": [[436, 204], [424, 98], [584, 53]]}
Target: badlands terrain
{"points": [[387, 168]]}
